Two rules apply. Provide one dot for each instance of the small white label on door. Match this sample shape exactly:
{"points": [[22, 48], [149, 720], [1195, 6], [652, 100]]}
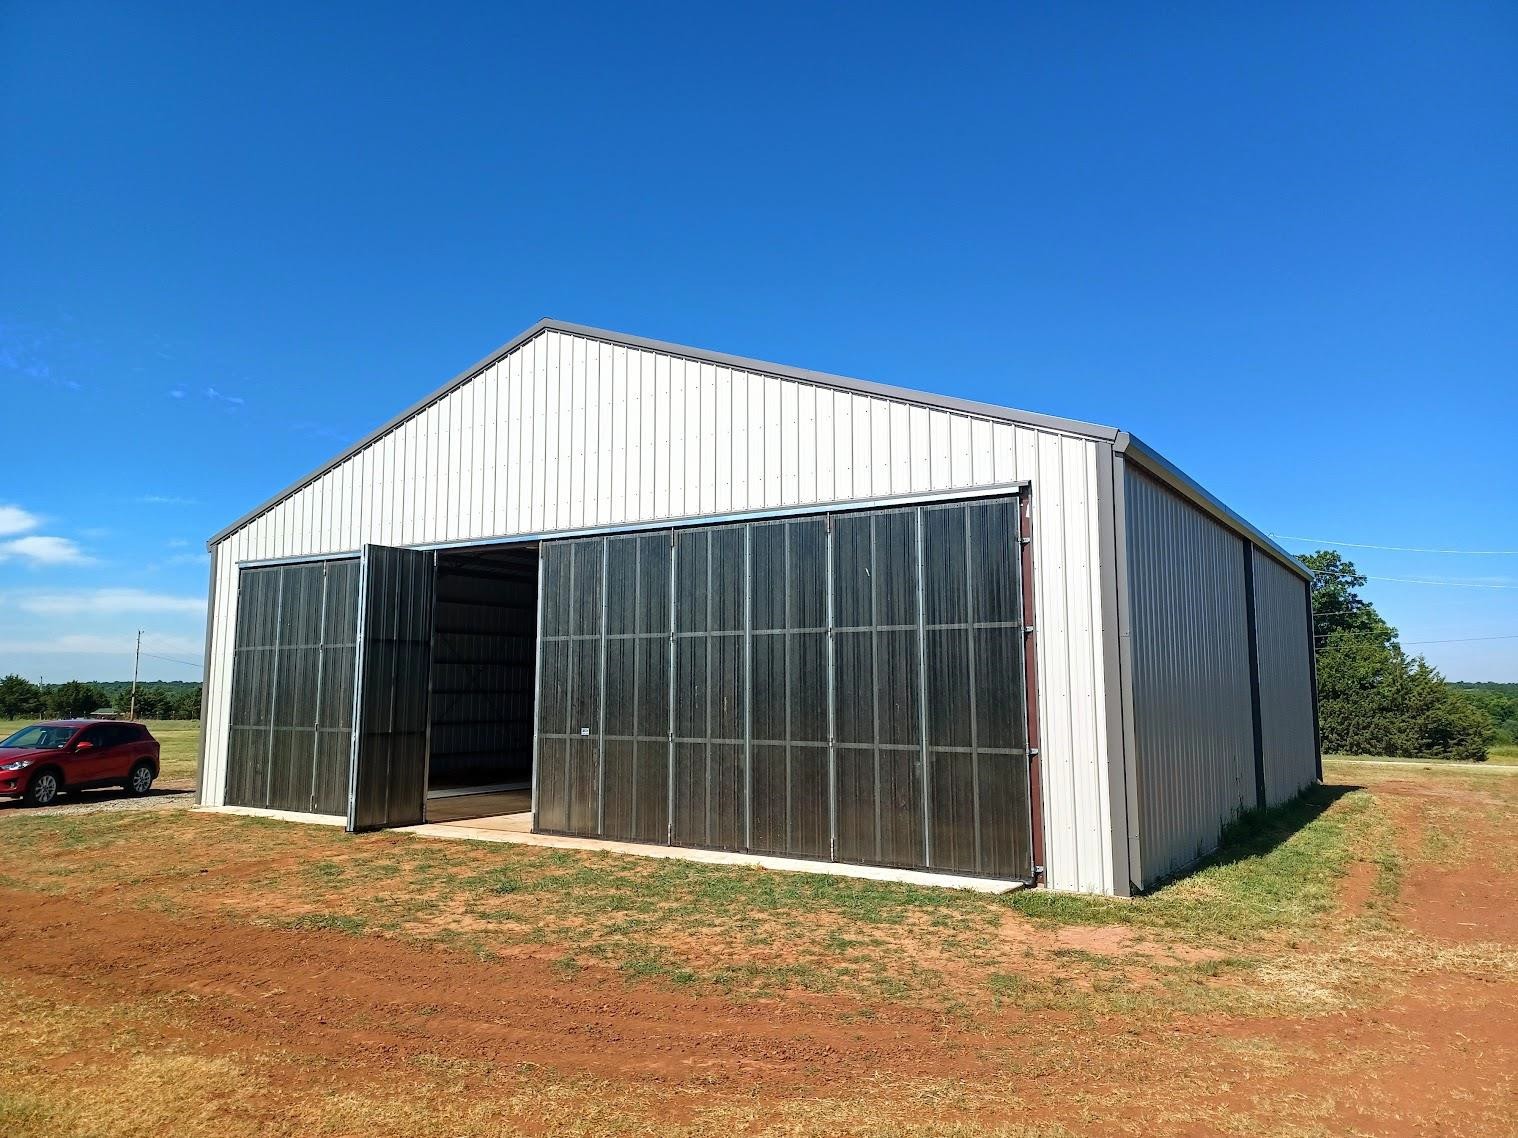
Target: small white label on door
{"points": [[584, 730]]}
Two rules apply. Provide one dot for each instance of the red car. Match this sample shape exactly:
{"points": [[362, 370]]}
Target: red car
{"points": [[39, 762]]}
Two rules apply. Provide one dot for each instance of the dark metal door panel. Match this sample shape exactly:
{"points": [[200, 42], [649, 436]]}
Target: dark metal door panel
{"points": [[973, 678], [292, 687], [571, 675], [847, 687], [388, 767]]}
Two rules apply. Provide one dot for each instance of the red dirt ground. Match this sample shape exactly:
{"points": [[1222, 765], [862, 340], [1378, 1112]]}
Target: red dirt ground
{"points": [[1432, 1052]]}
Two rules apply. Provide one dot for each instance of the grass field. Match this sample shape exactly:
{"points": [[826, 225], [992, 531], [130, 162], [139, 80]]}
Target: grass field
{"points": [[1347, 964]]}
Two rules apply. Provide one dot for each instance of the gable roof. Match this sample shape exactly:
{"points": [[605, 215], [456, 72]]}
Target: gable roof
{"points": [[1122, 441], [722, 359]]}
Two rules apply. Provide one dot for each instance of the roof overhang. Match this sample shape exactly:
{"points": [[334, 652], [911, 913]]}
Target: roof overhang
{"points": [[1160, 467]]}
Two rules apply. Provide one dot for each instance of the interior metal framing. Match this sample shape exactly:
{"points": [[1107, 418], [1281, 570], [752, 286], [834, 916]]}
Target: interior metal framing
{"points": [[894, 637]]}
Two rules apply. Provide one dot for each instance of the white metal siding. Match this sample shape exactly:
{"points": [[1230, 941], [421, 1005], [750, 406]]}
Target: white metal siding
{"points": [[1284, 644], [1192, 707], [568, 432]]}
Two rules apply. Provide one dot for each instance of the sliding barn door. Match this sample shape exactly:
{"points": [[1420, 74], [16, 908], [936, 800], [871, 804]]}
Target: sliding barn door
{"points": [[391, 709], [847, 686]]}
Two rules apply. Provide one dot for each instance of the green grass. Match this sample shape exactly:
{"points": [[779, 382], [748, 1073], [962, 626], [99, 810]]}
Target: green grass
{"points": [[742, 932], [179, 740], [1503, 754], [1276, 869]]}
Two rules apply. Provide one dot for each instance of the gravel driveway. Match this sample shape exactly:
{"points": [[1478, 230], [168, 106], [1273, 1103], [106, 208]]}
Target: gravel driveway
{"points": [[172, 794]]}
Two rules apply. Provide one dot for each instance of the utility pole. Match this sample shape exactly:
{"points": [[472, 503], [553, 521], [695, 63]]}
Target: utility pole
{"points": [[136, 664]]}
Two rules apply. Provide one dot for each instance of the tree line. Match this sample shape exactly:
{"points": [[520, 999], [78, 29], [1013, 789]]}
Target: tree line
{"points": [[20, 698], [1500, 703], [1374, 698]]}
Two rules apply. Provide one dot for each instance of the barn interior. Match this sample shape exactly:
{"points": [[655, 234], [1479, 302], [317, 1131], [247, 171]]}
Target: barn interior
{"points": [[483, 658]]}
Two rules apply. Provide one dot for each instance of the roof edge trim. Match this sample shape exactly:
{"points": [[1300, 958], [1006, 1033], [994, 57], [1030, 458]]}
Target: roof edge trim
{"points": [[721, 359], [1158, 466]]}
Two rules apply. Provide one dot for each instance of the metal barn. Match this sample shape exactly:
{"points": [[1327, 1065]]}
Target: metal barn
{"points": [[672, 596]]}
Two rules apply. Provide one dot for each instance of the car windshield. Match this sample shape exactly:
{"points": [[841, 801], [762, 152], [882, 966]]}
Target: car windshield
{"points": [[40, 735]]}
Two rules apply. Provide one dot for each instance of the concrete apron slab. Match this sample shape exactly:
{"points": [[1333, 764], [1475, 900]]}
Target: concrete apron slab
{"points": [[517, 829], [279, 815]]}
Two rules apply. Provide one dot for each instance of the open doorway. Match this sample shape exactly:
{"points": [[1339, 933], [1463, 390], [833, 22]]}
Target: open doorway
{"points": [[483, 656]]}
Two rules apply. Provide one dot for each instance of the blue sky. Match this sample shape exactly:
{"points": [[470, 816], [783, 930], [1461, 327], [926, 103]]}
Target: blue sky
{"points": [[1276, 241]]}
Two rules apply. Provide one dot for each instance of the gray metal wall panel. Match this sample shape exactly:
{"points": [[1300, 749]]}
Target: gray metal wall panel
{"points": [[661, 437], [389, 764], [906, 623], [1193, 717], [1284, 645], [293, 687]]}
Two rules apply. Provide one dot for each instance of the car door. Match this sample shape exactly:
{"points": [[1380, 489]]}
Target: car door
{"points": [[88, 755], [119, 752]]}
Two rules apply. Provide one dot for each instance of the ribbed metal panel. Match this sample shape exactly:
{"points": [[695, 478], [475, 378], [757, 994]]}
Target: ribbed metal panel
{"points": [[292, 692], [569, 432], [1284, 644], [388, 776], [700, 665], [1192, 705]]}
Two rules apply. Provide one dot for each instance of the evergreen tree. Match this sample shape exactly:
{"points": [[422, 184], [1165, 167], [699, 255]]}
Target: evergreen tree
{"points": [[1374, 699], [19, 698]]}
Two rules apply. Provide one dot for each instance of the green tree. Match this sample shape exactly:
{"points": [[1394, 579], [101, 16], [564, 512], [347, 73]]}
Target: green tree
{"points": [[187, 705], [1500, 704], [73, 699], [1374, 699], [19, 698], [1337, 605]]}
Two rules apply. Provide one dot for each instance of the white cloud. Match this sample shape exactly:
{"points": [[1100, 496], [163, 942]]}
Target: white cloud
{"points": [[42, 550], [99, 601], [13, 519], [177, 393], [166, 500], [222, 397], [188, 559]]}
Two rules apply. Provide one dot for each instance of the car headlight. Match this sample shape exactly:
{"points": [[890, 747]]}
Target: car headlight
{"points": [[18, 765]]}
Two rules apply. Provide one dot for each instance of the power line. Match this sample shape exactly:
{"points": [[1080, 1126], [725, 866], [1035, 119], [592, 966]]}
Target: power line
{"points": [[1467, 639], [1440, 581], [1397, 548], [1406, 643], [172, 660]]}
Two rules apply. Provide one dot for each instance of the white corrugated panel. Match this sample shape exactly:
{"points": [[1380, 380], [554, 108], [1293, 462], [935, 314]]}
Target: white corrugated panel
{"points": [[568, 432], [1192, 708], [1284, 646]]}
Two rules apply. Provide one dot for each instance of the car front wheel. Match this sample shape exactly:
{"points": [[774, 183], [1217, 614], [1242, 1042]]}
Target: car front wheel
{"points": [[140, 779], [43, 789]]}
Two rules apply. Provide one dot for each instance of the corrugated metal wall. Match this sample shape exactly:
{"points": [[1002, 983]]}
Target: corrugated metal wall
{"points": [[1192, 703], [292, 689], [569, 432], [847, 687], [1284, 645], [395, 666]]}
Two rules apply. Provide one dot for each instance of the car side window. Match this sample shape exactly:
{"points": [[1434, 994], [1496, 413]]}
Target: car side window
{"points": [[96, 736]]}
